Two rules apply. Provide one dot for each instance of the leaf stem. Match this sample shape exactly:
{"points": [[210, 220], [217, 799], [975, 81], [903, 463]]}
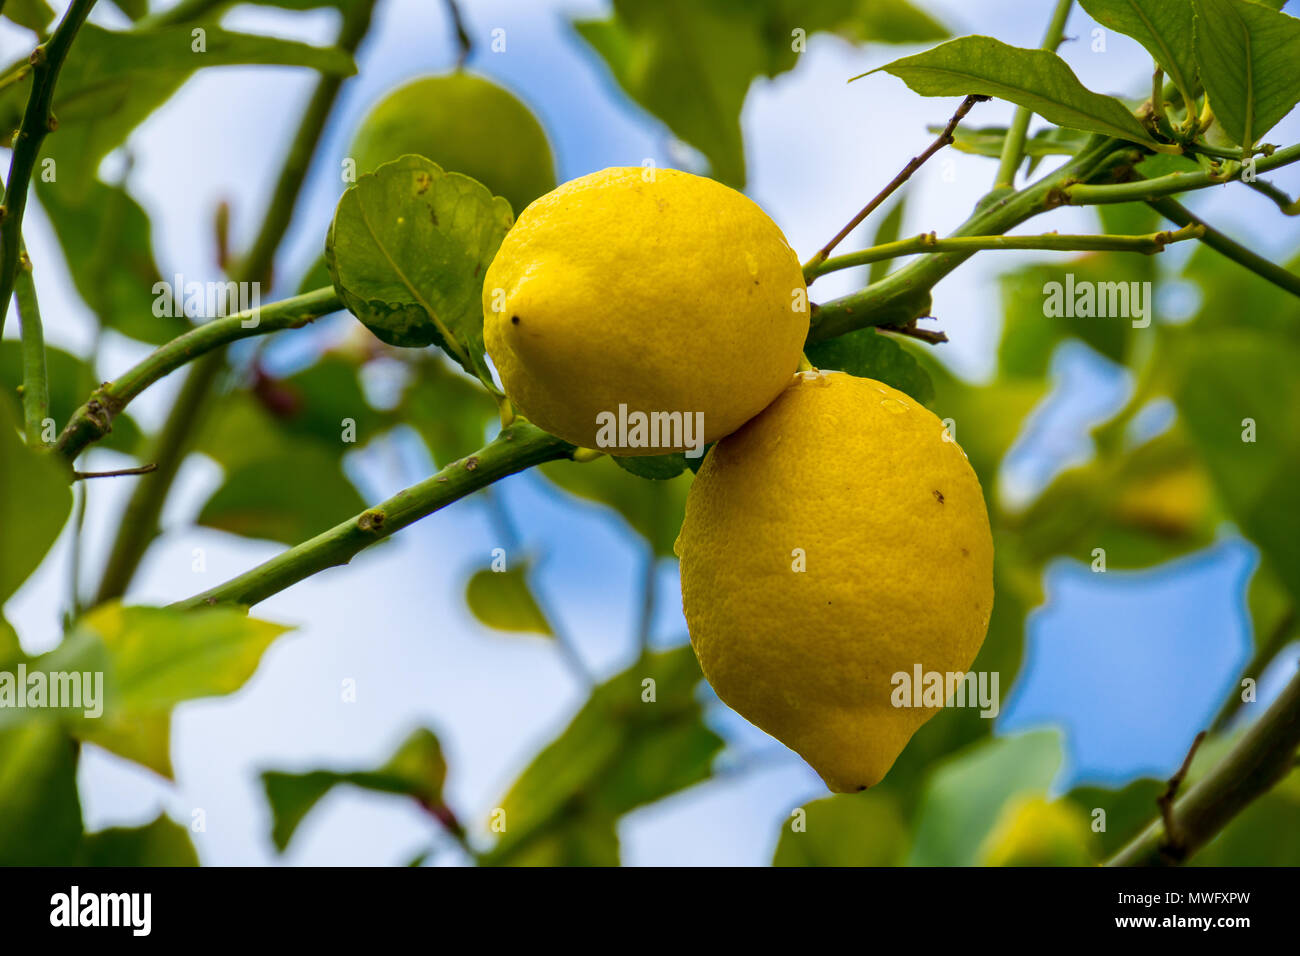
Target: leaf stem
{"points": [[1175, 212], [913, 165], [38, 119], [1262, 757], [93, 420], [515, 448], [36, 386], [1145, 190], [928, 242], [1013, 147]]}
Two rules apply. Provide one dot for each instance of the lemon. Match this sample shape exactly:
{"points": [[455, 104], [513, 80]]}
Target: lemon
{"points": [[635, 295], [837, 540], [1031, 831], [465, 124]]}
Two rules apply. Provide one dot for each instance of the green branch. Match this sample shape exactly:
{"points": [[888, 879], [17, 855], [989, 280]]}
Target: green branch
{"points": [[36, 386], [1013, 147], [1147, 190], [1218, 241], [1264, 755], [93, 420], [929, 243], [139, 522], [520, 445], [47, 60]]}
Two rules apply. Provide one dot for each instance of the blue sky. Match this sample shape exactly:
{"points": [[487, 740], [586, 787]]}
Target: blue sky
{"points": [[1096, 649]]}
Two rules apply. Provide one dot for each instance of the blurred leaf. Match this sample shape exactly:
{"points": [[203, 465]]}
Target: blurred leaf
{"points": [[1247, 55], [654, 509], [10, 647], [107, 243], [35, 15], [450, 411], [417, 770], [1226, 378], [1035, 831], [620, 752], [1038, 80], [1232, 297], [112, 80], [503, 600], [40, 811], [867, 353], [134, 9], [317, 276], [655, 467], [407, 251], [34, 504], [289, 496], [152, 660], [859, 829], [322, 400], [691, 65], [1128, 811], [1163, 28], [160, 843], [989, 140], [965, 795], [887, 231], [71, 381], [1265, 833]]}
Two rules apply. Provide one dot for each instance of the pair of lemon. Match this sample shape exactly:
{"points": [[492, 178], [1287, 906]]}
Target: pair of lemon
{"points": [[836, 542]]}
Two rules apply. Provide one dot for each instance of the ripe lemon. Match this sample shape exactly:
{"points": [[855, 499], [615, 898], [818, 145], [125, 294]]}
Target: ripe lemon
{"points": [[465, 124], [647, 292], [838, 539]]}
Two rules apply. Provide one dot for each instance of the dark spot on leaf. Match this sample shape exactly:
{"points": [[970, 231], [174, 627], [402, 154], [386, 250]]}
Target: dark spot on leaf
{"points": [[938, 496], [433, 216]]}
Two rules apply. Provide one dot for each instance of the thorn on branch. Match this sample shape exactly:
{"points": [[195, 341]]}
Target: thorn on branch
{"points": [[1174, 847]]}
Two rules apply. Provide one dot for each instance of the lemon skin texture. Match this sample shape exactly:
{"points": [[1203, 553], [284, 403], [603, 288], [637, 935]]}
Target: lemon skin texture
{"points": [[654, 289], [891, 523], [465, 124]]}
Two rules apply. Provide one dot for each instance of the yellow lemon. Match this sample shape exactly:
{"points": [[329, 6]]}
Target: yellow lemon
{"points": [[631, 306], [465, 124], [1031, 831], [837, 541]]}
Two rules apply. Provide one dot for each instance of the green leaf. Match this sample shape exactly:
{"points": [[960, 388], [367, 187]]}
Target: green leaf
{"points": [[34, 504], [10, 646], [639, 738], [1247, 54], [887, 231], [503, 600], [289, 496], [989, 140], [1034, 831], [966, 795], [654, 509], [1127, 811], [1163, 27], [160, 843], [106, 240], [152, 660], [655, 467], [407, 251], [1036, 79], [859, 829], [113, 80], [71, 381], [417, 770], [35, 15], [867, 353], [40, 811], [1224, 379], [449, 410]]}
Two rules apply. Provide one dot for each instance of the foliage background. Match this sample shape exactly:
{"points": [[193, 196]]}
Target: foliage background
{"points": [[1130, 664]]}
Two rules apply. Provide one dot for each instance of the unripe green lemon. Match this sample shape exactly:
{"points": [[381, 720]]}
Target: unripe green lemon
{"points": [[837, 540], [465, 124], [644, 292]]}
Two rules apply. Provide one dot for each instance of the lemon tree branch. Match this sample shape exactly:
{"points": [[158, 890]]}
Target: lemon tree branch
{"points": [[517, 447], [1175, 212], [1264, 755], [93, 420]]}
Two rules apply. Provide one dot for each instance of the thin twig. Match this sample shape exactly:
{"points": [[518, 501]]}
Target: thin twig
{"points": [[1173, 845], [1289, 206], [944, 139], [935, 337], [464, 45], [119, 473], [1174, 211]]}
